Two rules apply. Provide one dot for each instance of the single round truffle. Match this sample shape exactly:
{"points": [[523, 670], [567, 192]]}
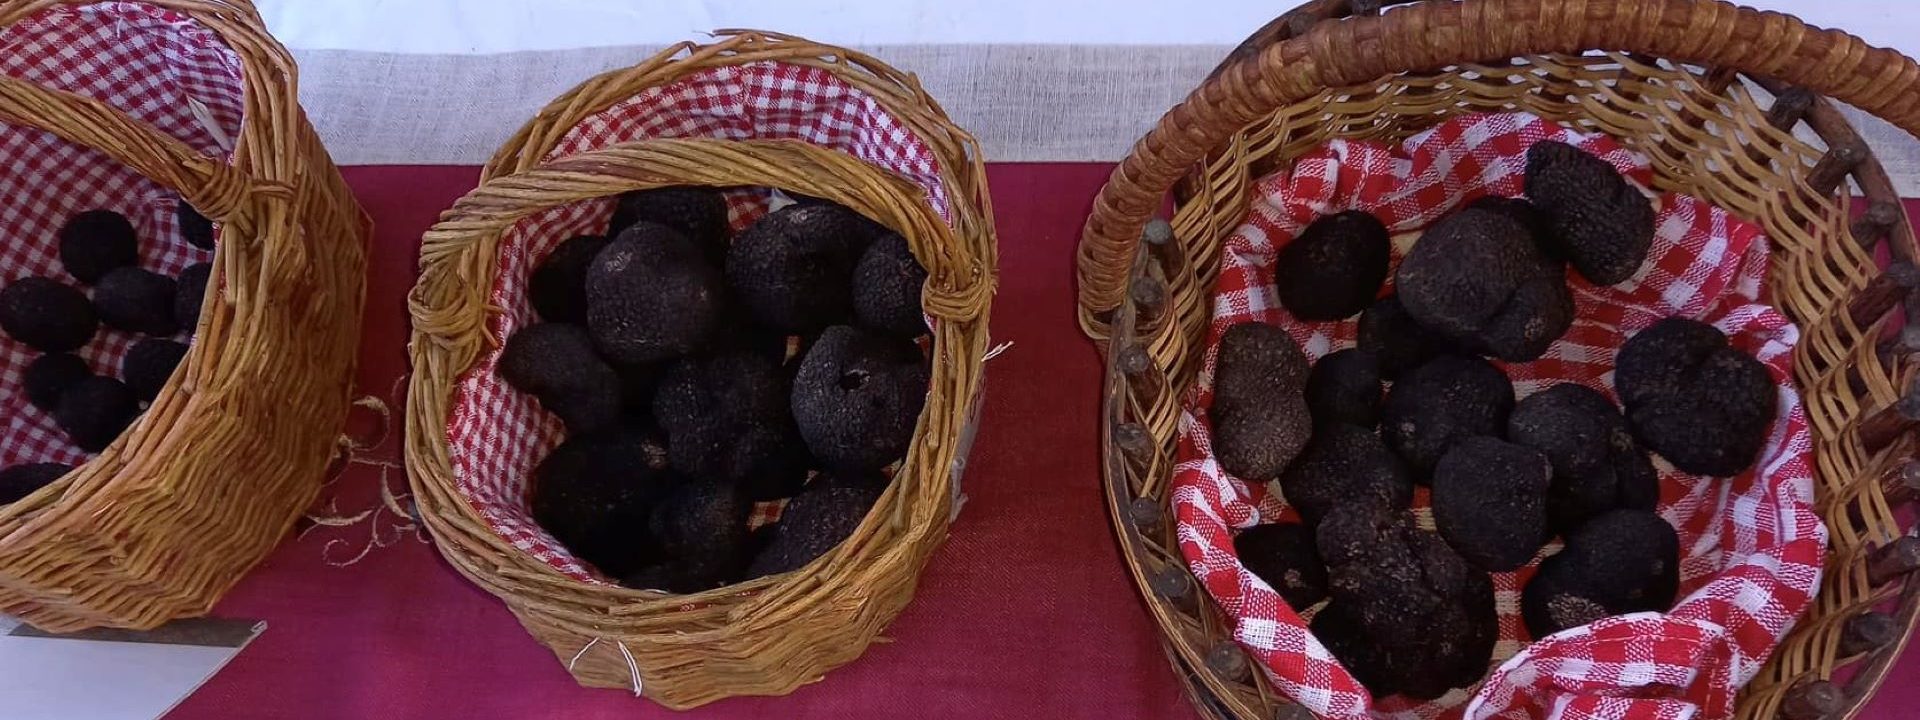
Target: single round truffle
{"points": [[1601, 223], [1283, 554], [794, 268], [1344, 387], [46, 315], [700, 213], [190, 294], [96, 241], [1334, 268], [595, 493], [1259, 417], [19, 481], [726, 418], [556, 363], [652, 296], [1401, 343], [886, 288], [1597, 465], [1344, 465], [136, 300], [1490, 502], [857, 398], [1623, 561], [1476, 278], [196, 228], [702, 525], [558, 287], [49, 376], [149, 364], [822, 516], [1450, 399], [95, 411], [1702, 404]]}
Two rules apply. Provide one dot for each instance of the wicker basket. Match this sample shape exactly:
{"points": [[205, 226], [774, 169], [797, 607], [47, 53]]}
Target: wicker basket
{"points": [[207, 481], [554, 178], [1672, 68]]}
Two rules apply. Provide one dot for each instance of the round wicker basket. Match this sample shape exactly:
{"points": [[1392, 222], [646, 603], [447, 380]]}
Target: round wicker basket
{"points": [[234, 449], [1667, 74], [769, 635]]}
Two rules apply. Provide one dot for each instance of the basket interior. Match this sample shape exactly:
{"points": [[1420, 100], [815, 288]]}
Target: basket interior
{"points": [[496, 435], [161, 68]]}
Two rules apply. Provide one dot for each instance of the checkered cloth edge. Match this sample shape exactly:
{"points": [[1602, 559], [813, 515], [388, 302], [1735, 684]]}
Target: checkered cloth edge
{"points": [[152, 64], [1752, 544], [497, 435]]}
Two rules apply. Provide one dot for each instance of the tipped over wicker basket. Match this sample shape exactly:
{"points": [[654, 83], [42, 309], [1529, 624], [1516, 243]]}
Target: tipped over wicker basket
{"points": [[1715, 95], [628, 130], [132, 106]]}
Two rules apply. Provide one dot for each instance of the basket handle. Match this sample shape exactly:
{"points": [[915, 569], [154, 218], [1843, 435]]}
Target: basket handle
{"points": [[1426, 36]]}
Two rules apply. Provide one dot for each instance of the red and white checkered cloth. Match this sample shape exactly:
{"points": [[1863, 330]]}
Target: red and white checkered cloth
{"points": [[1752, 544], [155, 65], [495, 434]]}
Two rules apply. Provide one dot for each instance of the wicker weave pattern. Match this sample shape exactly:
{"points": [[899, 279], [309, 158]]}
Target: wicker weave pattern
{"points": [[211, 477], [769, 635], [1711, 133]]}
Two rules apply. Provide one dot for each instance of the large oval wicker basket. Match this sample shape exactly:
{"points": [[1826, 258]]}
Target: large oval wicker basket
{"points": [[626, 130], [1671, 79], [137, 106]]}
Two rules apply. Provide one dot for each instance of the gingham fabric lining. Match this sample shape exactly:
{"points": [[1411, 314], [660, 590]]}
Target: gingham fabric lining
{"points": [[1751, 545], [497, 435], [154, 65]]}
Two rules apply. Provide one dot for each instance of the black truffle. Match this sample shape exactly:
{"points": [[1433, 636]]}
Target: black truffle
{"points": [[46, 315], [196, 228], [857, 398], [726, 418], [136, 300], [1344, 387], [1702, 404], [558, 288], [1401, 343], [19, 481], [1538, 225], [95, 242], [190, 294], [556, 363], [794, 268], [1490, 502], [1334, 268], [1450, 399], [1260, 420], [702, 525], [1283, 554], [1345, 465], [595, 494], [886, 288], [700, 213], [651, 296], [1601, 223], [1340, 630], [148, 365], [95, 411], [1623, 561], [1476, 278], [815, 521], [49, 376], [1597, 465]]}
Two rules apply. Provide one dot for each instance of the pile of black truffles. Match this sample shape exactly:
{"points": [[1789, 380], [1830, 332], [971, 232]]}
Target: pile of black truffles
{"points": [[699, 373], [100, 249], [1350, 439]]}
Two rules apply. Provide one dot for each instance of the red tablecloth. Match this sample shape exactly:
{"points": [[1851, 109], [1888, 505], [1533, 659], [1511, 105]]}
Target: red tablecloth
{"points": [[1009, 623]]}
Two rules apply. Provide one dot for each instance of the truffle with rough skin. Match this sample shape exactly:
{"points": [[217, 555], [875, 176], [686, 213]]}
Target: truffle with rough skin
{"points": [[857, 398], [1597, 465], [47, 315], [700, 213], [1490, 502], [1334, 268], [95, 242], [1344, 465], [49, 376], [1450, 399], [594, 493], [558, 287], [822, 516], [19, 481], [1476, 278], [194, 227], [793, 269], [651, 296], [148, 364], [886, 288], [136, 300], [726, 418], [1601, 224], [1623, 561], [95, 411], [1702, 404], [702, 526], [1538, 225], [1259, 417], [190, 293], [1401, 343], [556, 363], [1283, 554], [1344, 387]]}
